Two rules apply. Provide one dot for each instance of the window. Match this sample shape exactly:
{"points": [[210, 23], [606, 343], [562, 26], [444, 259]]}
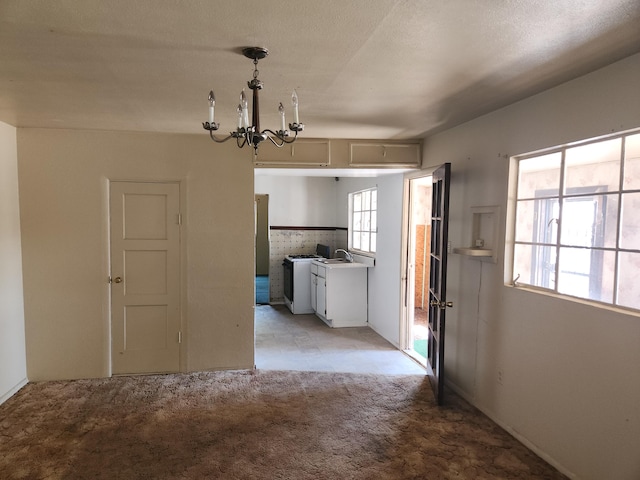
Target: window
{"points": [[363, 225], [577, 220]]}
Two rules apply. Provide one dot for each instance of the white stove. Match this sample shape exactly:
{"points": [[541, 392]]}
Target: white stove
{"points": [[302, 256], [297, 280]]}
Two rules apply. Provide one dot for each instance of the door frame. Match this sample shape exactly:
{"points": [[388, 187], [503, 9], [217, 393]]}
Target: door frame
{"points": [[262, 223], [406, 276], [106, 267]]}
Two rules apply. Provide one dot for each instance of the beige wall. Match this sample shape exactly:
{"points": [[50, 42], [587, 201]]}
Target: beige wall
{"points": [[63, 207], [13, 368], [570, 380]]}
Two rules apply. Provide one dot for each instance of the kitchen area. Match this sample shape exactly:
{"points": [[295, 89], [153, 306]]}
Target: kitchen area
{"points": [[307, 208]]}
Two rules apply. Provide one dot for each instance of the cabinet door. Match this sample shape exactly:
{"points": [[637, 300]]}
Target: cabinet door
{"points": [[385, 154], [314, 292], [321, 297], [315, 152]]}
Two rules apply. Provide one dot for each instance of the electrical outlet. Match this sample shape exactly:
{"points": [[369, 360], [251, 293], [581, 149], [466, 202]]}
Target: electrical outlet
{"points": [[500, 376]]}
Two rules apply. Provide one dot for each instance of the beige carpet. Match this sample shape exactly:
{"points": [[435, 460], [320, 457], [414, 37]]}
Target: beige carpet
{"points": [[253, 425]]}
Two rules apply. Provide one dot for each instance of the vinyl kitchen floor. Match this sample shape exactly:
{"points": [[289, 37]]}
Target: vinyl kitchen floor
{"points": [[303, 342]]}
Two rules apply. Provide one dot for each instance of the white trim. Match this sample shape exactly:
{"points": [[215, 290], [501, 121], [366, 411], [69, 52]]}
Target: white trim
{"points": [[509, 429], [405, 330], [13, 390]]}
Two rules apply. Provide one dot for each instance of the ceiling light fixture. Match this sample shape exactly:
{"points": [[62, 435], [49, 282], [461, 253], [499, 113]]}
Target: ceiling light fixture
{"points": [[250, 134]]}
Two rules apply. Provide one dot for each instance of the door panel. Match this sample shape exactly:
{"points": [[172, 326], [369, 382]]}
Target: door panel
{"points": [[321, 296], [146, 327], [145, 271], [144, 216], [438, 279]]}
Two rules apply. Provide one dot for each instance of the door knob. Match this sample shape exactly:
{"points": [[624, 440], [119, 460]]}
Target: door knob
{"points": [[441, 305], [118, 280]]}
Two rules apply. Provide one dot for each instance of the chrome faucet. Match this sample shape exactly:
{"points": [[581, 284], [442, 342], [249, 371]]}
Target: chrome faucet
{"points": [[348, 257]]}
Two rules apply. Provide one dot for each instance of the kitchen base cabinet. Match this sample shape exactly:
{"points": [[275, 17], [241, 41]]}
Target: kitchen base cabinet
{"points": [[339, 294]]}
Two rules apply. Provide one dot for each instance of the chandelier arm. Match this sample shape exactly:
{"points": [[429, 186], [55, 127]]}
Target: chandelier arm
{"points": [[219, 141], [244, 141], [292, 140], [271, 138], [283, 138]]}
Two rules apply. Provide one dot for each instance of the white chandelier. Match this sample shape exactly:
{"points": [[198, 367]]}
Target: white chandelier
{"points": [[250, 134]]}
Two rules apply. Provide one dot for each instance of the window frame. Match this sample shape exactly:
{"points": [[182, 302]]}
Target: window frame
{"points": [[371, 231], [542, 203]]}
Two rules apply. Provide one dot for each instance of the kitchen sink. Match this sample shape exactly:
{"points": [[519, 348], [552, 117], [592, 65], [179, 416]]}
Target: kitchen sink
{"points": [[331, 261]]}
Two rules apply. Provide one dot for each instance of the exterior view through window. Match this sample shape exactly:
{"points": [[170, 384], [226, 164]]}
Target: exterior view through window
{"points": [[363, 225], [577, 222]]}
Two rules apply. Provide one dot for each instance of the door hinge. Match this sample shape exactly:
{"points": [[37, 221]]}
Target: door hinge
{"points": [[179, 220], [179, 337]]}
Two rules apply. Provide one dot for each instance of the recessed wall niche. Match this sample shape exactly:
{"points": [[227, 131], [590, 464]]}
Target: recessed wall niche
{"points": [[484, 234]]}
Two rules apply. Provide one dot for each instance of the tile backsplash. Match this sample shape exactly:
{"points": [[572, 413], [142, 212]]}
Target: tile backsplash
{"points": [[297, 241]]}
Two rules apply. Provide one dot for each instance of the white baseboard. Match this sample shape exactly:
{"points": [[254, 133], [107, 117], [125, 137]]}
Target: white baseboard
{"points": [[507, 428], [13, 390]]}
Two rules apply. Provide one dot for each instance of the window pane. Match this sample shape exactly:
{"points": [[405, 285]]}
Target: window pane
{"points": [[366, 200], [357, 202], [357, 221], [628, 291], [537, 220], [522, 263], [535, 264], [630, 229], [596, 164], [586, 273], [366, 221], [525, 217], [356, 240], [364, 244], [373, 243], [374, 199], [590, 221], [632, 162], [374, 222], [539, 174]]}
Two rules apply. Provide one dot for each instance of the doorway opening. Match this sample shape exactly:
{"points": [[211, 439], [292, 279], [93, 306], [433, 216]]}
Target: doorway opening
{"points": [[415, 318]]}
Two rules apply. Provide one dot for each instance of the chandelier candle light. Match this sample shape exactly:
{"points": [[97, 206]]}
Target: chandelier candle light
{"points": [[250, 134]]}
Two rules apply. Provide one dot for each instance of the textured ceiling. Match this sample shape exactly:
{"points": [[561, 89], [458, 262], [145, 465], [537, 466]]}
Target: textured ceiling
{"points": [[362, 68]]}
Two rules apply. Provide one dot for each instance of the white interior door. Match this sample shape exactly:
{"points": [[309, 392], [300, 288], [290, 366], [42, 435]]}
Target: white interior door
{"points": [[145, 277]]}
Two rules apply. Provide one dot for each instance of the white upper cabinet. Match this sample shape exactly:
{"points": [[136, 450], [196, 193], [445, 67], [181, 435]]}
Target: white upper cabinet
{"points": [[373, 154], [303, 152]]}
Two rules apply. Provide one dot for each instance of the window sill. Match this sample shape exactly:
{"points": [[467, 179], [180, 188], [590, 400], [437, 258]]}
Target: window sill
{"points": [[365, 259], [581, 301]]}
